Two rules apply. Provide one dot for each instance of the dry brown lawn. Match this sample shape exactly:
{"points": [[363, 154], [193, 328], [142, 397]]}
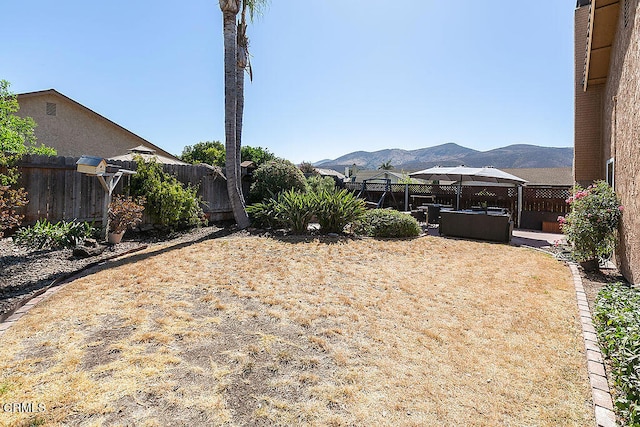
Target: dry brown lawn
{"points": [[254, 331]]}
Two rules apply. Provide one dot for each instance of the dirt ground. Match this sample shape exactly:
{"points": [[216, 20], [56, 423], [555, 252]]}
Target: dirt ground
{"points": [[25, 272], [247, 330]]}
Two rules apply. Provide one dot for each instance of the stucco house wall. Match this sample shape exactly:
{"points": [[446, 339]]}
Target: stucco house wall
{"points": [[609, 113], [75, 130]]}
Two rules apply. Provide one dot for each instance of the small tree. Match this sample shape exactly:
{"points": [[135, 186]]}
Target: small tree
{"points": [[387, 166], [10, 201], [125, 212], [257, 155], [17, 138], [210, 152], [308, 169]]}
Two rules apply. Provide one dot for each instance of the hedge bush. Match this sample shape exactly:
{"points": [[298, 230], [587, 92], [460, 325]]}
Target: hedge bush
{"points": [[388, 223], [274, 177]]}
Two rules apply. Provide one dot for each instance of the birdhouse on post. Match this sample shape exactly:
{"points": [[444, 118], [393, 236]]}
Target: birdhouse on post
{"points": [[97, 166], [91, 165]]}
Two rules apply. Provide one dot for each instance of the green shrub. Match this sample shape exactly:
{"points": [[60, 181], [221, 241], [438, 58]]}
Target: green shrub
{"points": [[170, 203], [274, 177], [591, 225], [317, 183], [388, 223], [45, 235], [264, 214], [617, 322], [290, 209], [294, 210], [336, 208]]}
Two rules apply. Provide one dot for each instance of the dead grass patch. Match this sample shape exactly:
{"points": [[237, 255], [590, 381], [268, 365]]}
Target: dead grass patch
{"points": [[256, 331]]}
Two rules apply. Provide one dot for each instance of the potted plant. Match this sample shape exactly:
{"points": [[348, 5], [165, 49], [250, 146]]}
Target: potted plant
{"points": [[591, 225], [124, 213]]}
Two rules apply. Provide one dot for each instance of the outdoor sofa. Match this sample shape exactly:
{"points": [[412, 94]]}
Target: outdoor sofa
{"points": [[494, 226]]}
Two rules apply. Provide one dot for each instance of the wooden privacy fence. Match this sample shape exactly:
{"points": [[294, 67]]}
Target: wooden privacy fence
{"points": [[56, 191], [539, 203]]}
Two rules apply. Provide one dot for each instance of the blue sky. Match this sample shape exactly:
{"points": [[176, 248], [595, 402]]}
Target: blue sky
{"points": [[330, 76]]}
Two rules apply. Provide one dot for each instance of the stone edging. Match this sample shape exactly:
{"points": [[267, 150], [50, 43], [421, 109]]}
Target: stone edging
{"points": [[602, 402], [23, 306]]}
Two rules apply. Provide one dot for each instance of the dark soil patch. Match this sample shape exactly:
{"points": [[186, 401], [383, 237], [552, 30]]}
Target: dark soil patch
{"points": [[593, 281]]}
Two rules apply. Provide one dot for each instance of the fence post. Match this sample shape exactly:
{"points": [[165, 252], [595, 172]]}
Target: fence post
{"points": [[519, 204], [406, 197]]}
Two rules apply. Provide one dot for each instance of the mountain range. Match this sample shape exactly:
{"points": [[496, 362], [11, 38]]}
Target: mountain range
{"points": [[450, 154]]}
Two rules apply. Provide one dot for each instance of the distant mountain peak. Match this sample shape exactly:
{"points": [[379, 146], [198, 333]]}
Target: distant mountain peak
{"points": [[452, 154]]}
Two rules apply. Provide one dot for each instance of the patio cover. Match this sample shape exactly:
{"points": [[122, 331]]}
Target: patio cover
{"points": [[461, 174]]}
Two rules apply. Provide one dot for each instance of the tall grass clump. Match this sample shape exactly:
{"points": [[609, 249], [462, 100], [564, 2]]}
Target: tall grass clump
{"points": [[294, 210], [290, 209]]}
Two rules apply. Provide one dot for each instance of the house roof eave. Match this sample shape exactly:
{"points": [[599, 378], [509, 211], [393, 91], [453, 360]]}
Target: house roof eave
{"points": [[90, 111], [603, 22]]}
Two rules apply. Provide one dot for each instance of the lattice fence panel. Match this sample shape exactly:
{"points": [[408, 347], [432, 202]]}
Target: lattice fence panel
{"points": [[535, 199]]}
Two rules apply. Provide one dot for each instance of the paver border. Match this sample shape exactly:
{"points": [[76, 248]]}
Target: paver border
{"points": [[600, 392]]}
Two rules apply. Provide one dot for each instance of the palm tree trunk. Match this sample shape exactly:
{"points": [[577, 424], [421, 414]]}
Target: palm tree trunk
{"points": [[230, 9], [242, 56]]}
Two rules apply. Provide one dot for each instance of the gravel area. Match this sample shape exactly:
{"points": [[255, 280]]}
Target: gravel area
{"points": [[24, 273]]}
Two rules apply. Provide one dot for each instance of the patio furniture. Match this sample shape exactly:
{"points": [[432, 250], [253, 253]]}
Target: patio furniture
{"points": [[433, 212], [496, 227], [420, 199]]}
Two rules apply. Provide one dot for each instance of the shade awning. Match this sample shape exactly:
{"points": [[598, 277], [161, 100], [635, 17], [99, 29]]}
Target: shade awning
{"points": [[463, 173]]}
